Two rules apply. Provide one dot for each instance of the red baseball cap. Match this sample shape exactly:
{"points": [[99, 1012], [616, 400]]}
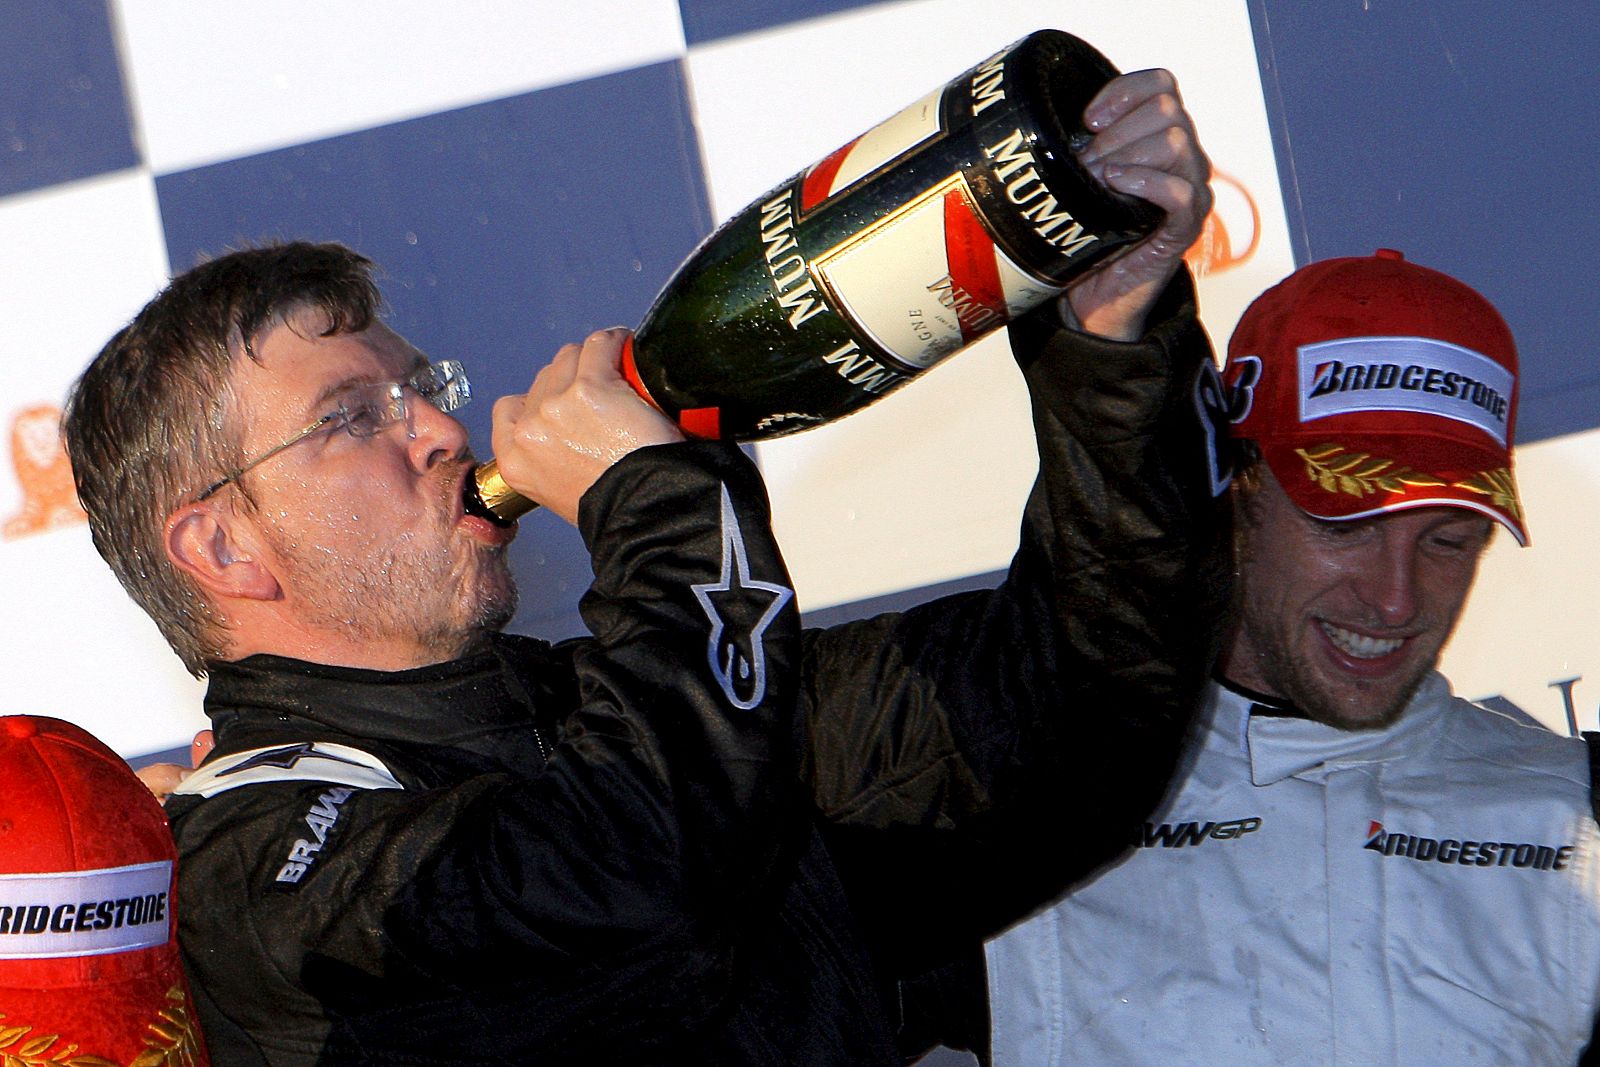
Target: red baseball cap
{"points": [[89, 967], [1371, 384]]}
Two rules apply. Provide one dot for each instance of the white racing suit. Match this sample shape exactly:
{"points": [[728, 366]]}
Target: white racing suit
{"points": [[1424, 894]]}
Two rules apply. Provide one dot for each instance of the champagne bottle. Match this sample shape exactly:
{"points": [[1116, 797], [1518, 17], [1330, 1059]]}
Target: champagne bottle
{"points": [[938, 226]]}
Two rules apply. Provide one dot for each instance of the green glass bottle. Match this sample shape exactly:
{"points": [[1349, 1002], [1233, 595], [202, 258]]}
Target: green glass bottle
{"points": [[934, 228]]}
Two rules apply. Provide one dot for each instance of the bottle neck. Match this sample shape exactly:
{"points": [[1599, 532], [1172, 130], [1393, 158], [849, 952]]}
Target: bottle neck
{"points": [[487, 496]]}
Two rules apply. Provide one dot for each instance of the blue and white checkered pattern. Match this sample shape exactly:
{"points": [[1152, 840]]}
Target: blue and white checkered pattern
{"points": [[526, 171]]}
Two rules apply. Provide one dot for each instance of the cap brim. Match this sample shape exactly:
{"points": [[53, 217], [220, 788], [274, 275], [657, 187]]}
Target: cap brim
{"points": [[1345, 477]]}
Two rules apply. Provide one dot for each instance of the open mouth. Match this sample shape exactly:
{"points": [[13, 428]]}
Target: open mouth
{"points": [[481, 529], [1360, 646]]}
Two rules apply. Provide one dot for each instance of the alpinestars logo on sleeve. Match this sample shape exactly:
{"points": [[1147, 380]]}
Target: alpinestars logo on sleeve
{"points": [[740, 609]]}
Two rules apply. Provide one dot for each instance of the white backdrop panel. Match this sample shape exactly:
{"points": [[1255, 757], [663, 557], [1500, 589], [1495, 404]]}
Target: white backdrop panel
{"points": [[1534, 615], [76, 262], [215, 81]]}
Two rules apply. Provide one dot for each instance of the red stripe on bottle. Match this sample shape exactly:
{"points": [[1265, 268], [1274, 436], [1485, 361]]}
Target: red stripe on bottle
{"points": [[971, 258], [818, 183], [705, 423], [696, 422], [630, 374]]}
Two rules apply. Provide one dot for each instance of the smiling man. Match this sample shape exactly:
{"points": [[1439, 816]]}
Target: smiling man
{"points": [[1355, 867]]}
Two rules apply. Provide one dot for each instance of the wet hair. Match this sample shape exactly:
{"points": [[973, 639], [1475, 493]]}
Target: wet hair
{"points": [[145, 424]]}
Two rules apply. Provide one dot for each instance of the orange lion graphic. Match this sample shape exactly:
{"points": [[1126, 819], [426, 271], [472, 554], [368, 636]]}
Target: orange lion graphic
{"points": [[49, 499], [1235, 219]]}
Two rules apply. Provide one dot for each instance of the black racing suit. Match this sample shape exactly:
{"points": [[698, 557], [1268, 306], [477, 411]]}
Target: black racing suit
{"points": [[594, 853]]}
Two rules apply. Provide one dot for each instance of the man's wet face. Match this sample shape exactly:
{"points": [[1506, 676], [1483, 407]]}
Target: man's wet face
{"points": [[368, 532], [1343, 619]]}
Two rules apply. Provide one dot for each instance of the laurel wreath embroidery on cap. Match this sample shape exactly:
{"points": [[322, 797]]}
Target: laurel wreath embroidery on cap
{"points": [[171, 1039], [1498, 486], [32, 1053], [1339, 470]]}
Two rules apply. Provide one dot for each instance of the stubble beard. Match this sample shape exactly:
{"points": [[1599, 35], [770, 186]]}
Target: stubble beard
{"points": [[446, 601], [1292, 677], [412, 599]]}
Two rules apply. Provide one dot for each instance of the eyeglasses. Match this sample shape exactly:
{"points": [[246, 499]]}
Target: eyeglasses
{"points": [[365, 410]]}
